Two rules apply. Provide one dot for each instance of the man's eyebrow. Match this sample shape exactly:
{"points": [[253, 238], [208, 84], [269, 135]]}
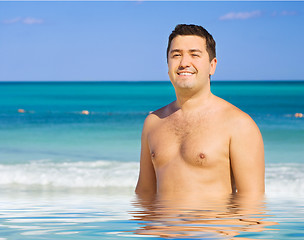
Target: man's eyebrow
{"points": [[191, 50], [195, 50], [175, 50]]}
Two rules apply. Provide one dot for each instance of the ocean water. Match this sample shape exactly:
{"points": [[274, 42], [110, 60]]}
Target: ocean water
{"points": [[69, 159]]}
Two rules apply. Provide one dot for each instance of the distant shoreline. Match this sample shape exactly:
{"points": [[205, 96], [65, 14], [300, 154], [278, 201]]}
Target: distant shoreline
{"points": [[148, 81]]}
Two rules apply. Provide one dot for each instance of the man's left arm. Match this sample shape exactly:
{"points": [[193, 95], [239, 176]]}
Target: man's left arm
{"points": [[247, 157]]}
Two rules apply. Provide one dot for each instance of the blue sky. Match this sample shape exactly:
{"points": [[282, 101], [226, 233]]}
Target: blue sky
{"points": [[127, 40]]}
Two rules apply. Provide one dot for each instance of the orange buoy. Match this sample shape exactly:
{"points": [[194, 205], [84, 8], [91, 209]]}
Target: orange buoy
{"points": [[85, 112]]}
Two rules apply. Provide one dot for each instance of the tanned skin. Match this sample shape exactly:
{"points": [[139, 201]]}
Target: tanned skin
{"points": [[199, 146]]}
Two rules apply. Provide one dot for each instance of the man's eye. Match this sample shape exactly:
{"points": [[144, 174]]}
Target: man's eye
{"points": [[175, 55], [195, 55]]}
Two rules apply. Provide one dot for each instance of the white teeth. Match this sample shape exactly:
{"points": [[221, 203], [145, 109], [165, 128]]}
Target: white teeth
{"points": [[185, 74]]}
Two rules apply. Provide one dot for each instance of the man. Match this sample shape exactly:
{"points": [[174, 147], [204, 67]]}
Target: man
{"points": [[199, 145]]}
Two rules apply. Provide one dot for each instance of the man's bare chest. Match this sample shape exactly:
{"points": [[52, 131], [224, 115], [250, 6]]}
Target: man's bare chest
{"points": [[198, 142]]}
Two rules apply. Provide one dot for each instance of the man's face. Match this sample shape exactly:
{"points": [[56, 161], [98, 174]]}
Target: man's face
{"points": [[188, 62]]}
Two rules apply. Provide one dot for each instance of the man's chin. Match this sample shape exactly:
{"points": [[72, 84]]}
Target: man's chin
{"points": [[185, 85]]}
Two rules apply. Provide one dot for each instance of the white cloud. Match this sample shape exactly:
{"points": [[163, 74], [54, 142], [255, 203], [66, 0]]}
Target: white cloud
{"points": [[10, 21], [289, 13], [241, 15], [284, 13], [27, 20], [30, 20]]}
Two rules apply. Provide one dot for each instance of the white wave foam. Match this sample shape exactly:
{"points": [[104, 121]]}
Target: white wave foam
{"points": [[71, 174], [281, 179], [285, 180]]}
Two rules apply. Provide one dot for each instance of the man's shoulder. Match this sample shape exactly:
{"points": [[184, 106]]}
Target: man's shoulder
{"points": [[234, 116], [154, 117], [160, 113]]}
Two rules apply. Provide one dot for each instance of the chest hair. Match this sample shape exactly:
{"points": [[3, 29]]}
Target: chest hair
{"points": [[185, 126]]}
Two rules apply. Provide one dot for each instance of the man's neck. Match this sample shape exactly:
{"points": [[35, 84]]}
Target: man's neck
{"points": [[188, 100]]}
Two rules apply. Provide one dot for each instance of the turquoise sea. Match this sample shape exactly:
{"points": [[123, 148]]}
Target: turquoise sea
{"points": [[69, 159]]}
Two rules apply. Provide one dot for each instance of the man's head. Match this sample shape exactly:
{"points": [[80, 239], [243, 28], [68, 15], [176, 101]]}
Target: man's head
{"points": [[186, 30], [191, 57]]}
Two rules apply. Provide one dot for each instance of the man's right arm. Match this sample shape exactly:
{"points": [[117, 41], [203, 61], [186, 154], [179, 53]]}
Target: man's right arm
{"points": [[146, 185]]}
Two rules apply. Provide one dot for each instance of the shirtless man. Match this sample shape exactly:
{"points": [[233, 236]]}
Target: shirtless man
{"points": [[199, 145]]}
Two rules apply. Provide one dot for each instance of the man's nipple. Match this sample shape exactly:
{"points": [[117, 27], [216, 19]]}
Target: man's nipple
{"points": [[201, 160]]}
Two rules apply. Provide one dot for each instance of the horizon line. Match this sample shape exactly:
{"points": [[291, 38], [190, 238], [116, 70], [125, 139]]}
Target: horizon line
{"points": [[134, 81]]}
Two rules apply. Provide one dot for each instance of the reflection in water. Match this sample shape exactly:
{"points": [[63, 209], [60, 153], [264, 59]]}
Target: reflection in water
{"points": [[220, 219]]}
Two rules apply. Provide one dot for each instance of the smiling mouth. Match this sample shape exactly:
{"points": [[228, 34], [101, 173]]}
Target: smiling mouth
{"points": [[185, 74]]}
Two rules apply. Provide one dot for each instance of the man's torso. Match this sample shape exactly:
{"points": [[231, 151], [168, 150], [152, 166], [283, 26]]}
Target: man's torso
{"points": [[190, 152]]}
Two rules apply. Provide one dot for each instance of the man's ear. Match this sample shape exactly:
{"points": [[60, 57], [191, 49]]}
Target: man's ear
{"points": [[213, 66]]}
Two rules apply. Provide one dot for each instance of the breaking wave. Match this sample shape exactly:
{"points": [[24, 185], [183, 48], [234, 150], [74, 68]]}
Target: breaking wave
{"points": [[281, 179], [71, 174]]}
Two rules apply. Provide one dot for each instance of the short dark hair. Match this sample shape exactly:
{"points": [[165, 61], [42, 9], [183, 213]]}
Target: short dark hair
{"points": [[191, 29]]}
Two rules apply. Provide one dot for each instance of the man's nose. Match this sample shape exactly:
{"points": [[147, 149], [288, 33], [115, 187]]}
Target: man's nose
{"points": [[185, 61]]}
